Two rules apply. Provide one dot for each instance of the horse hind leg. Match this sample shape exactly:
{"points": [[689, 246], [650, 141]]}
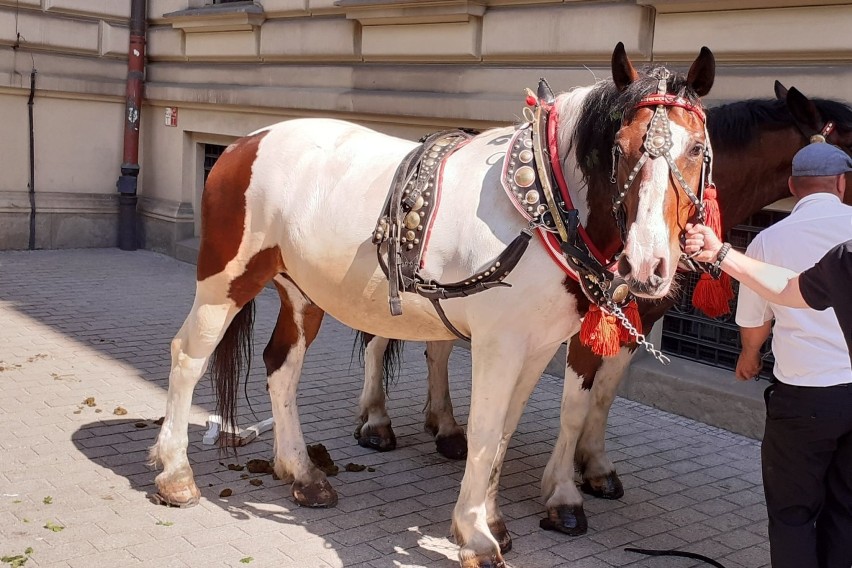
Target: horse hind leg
{"points": [[211, 314], [297, 326], [450, 439], [374, 428], [219, 298]]}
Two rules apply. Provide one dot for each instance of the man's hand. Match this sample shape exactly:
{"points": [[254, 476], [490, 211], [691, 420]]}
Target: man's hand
{"points": [[701, 243], [749, 365]]}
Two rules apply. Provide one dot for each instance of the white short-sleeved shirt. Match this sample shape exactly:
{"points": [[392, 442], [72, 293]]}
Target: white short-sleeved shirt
{"points": [[808, 345]]}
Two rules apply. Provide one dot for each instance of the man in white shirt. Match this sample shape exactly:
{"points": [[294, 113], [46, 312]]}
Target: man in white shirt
{"points": [[808, 500]]}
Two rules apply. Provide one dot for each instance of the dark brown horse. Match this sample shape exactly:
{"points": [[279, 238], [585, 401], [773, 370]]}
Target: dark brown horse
{"points": [[754, 142]]}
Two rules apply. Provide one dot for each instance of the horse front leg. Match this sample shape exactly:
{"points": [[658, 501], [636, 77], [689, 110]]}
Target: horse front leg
{"points": [[497, 366], [599, 476], [211, 314], [298, 324], [374, 424], [450, 440], [529, 377]]}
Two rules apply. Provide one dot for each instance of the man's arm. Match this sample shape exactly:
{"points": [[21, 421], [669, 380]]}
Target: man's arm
{"points": [[776, 284], [749, 364]]}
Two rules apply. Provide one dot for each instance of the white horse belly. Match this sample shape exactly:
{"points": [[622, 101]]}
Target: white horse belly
{"points": [[307, 168]]}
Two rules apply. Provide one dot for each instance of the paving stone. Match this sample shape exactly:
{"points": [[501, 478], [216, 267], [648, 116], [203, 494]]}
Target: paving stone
{"points": [[102, 327]]}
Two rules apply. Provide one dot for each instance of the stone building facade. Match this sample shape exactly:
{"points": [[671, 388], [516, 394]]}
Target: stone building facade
{"points": [[401, 66]]}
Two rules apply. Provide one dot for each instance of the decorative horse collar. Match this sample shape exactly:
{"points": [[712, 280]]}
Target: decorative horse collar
{"points": [[533, 179]]}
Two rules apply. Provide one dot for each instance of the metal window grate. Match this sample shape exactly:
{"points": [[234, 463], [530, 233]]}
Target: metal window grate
{"points": [[689, 334], [211, 154]]}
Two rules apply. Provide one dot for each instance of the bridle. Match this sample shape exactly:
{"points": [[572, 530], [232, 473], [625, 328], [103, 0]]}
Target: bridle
{"points": [[658, 143]]}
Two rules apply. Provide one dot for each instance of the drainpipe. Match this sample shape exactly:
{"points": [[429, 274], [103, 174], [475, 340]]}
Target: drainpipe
{"points": [[127, 199], [30, 102]]}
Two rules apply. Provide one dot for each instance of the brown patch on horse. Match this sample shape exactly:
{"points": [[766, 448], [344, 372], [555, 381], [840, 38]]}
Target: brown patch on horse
{"points": [[583, 361], [223, 206], [580, 357], [259, 270], [286, 332]]}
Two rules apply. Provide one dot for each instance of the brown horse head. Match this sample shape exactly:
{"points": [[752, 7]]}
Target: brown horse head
{"points": [[662, 153]]}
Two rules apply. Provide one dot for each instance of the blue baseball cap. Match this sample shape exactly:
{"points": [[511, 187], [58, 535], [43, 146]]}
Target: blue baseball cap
{"points": [[821, 159]]}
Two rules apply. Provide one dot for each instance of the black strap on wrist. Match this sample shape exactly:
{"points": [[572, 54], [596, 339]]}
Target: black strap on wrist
{"points": [[716, 267]]}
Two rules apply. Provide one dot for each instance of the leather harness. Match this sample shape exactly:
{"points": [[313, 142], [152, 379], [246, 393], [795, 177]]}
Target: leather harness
{"points": [[533, 179]]}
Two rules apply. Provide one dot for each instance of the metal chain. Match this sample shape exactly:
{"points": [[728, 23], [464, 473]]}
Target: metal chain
{"points": [[640, 338]]}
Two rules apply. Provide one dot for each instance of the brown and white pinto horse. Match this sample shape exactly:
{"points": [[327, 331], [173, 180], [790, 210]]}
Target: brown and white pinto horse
{"points": [[753, 142], [295, 203]]}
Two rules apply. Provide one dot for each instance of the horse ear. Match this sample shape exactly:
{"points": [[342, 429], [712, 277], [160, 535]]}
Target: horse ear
{"points": [[780, 91], [623, 72], [804, 111], [702, 73]]}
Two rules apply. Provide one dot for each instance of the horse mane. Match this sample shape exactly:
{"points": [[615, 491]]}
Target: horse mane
{"points": [[734, 125], [603, 111]]}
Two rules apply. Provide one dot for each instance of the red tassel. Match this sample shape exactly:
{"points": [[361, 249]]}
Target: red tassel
{"points": [[600, 332], [712, 296], [631, 310], [712, 215]]}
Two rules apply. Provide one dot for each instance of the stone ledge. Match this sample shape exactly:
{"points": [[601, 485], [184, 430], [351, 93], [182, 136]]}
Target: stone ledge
{"points": [[217, 18], [701, 392]]}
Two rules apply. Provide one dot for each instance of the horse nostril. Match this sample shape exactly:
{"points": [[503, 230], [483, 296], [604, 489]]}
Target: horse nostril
{"points": [[660, 268], [624, 267]]}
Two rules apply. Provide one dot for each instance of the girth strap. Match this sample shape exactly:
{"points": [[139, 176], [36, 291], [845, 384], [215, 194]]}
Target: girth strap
{"points": [[489, 278]]}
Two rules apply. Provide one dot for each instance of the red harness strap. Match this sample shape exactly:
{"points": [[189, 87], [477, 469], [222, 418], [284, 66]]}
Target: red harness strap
{"points": [[672, 101]]}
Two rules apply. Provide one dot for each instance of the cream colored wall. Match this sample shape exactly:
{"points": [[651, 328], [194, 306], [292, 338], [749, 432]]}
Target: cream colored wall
{"points": [[405, 68], [14, 142]]}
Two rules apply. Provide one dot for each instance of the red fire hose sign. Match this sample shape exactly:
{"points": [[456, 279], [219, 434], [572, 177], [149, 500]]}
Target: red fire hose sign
{"points": [[171, 116]]}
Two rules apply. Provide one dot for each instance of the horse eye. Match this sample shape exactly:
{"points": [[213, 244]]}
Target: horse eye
{"points": [[696, 150]]}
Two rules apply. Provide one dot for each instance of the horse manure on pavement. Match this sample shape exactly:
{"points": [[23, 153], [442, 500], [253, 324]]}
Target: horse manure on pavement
{"points": [[259, 466], [319, 455]]}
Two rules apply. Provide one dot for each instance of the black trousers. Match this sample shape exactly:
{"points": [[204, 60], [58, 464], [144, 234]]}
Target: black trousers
{"points": [[807, 475]]}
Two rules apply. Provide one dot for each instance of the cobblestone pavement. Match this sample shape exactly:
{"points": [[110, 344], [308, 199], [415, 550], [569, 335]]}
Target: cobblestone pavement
{"points": [[74, 483]]}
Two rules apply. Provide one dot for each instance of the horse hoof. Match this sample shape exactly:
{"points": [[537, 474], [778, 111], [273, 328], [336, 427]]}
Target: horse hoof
{"points": [[317, 494], [567, 519], [493, 562], [501, 535], [605, 487], [182, 497], [452, 447], [379, 438]]}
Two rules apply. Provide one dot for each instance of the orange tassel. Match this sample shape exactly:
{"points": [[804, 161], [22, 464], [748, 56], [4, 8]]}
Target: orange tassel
{"points": [[600, 332], [631, 310], [712, 215], [712, 296]]}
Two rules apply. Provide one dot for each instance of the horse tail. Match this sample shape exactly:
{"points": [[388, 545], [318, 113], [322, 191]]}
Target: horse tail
{"points": [[391, 362], [359, 346], [230, 359], [391, 359]]}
